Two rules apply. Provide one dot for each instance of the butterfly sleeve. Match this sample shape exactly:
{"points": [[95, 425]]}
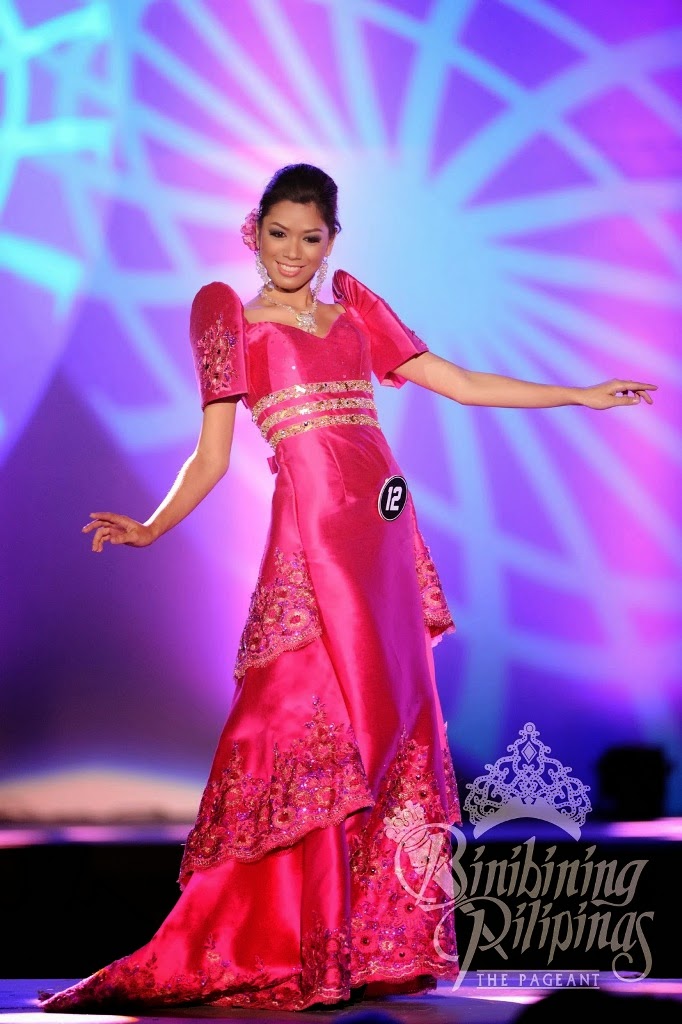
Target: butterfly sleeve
{"points": [[216, 331], [392, 343]]}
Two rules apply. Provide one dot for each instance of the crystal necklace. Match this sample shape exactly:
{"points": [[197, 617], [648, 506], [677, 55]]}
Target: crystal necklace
{"points": [[305, 318]]}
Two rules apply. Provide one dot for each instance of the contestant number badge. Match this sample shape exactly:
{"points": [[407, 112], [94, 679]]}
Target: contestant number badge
{"points": [[392, 498]]}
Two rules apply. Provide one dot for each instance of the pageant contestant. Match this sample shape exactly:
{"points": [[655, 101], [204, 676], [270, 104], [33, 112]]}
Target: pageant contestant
{"points": [[334, 754]]}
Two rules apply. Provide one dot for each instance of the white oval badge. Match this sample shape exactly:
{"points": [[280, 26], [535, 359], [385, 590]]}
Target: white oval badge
{"points": [[392, 498]]}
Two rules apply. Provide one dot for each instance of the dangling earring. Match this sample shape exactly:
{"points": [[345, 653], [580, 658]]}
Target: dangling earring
{"points": [[321, 274], [262, 270]]}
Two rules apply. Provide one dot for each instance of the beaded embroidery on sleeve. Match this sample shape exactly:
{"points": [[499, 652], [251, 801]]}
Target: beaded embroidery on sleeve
{"points": [[214, 356]]}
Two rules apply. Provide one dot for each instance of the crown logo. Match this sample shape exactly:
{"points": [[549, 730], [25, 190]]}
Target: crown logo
{"points": [[527, 784]]}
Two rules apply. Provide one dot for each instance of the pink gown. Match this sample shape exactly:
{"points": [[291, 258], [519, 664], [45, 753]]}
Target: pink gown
{"points": [[334, 747]]}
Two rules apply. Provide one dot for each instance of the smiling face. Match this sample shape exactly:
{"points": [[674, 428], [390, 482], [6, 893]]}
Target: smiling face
{"points": [[293, 241]]}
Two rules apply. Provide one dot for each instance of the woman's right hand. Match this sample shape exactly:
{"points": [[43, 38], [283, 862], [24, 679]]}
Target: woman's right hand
{"points": [[117, 529]]}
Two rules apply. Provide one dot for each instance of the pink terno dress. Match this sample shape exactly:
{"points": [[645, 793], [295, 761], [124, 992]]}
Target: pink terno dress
{"points": [[334, 755]]}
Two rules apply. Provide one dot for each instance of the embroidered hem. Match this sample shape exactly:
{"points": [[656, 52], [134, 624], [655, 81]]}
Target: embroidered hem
{"points": [[134, 987], [434, 604], [283, 614], [401, 886], [318, 780], [393, 940]]}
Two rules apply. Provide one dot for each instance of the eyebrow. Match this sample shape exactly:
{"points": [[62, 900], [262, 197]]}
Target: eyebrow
{"points": [[309, 231]]}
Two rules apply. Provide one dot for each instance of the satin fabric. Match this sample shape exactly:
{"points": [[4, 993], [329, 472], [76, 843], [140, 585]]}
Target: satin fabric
{"points": [[334, 749]]}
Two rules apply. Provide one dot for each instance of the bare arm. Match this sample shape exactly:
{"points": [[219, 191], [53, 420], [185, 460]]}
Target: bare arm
{"points": [[471, 387], [199, 475]]}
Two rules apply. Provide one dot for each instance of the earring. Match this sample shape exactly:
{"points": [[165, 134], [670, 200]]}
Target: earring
{"points": [[321, 274], [261, 268]]}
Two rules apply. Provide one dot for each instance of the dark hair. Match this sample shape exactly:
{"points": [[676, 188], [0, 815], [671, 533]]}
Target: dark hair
{"points": [[302, 183]]}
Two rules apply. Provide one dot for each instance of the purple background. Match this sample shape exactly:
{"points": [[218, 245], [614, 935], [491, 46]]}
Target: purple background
{"points": [[509, 177]]}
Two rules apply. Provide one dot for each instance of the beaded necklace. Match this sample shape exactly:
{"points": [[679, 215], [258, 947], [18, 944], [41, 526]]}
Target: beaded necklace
{"points": [[305, 318]]}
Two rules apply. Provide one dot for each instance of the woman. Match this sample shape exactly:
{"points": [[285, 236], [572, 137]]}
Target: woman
{"points": [[334, 756]]}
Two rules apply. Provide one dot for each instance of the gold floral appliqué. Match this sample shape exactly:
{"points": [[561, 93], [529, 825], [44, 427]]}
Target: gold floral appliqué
{"points": [[436, 612], [315, 782], [393, 931], [214, 356], [283, 614]]}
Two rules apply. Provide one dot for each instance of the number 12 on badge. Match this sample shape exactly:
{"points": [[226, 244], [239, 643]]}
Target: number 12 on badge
{"points": [[392, 498]]}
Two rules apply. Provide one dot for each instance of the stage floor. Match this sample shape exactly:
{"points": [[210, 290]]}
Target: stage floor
{"points": [[471, 1003], [48, 864]]}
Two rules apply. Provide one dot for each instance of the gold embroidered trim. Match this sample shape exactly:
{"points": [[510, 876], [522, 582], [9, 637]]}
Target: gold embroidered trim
{"points": [[321, 421], [317, 780], [319, 387], [434, 603], [283, 614], [214, 354], [391, 924], [325, 405]]}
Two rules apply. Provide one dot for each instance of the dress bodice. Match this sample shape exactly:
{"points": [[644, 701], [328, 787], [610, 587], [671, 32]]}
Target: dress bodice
{"points": [[234, 358], [280, 356]]}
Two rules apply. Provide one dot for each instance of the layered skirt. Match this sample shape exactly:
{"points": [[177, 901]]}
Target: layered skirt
{"points": [[319, 862]]}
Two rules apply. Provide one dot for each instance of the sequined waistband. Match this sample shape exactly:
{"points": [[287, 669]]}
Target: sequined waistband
{"points": [[305, 407]]}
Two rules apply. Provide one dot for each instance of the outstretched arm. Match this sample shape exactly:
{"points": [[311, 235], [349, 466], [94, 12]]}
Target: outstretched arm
{"points": [[200, 473], [471, 387]]}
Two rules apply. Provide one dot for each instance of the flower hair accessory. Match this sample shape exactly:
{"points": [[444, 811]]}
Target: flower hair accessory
{"points": [[248, 230]]}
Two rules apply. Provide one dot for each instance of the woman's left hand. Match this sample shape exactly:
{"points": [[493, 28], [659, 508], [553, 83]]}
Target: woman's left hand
{"points": [[616, 392]]}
